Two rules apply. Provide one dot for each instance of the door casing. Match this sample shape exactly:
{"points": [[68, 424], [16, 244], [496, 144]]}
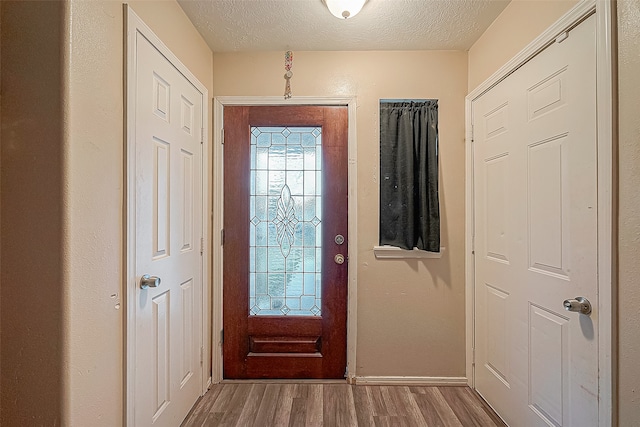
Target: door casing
{"points": [[218, 219], [132, 25], [606, 114]]}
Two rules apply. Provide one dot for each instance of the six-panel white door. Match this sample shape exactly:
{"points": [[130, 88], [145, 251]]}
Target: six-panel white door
{"points": [[535, 201], [168, 123]]}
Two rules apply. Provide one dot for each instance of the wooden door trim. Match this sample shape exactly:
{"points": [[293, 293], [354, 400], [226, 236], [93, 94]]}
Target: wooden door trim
{"points": [[132, 26], [606, 119], [218, 216]]}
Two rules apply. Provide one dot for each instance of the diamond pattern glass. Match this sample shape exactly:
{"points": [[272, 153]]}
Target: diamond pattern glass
{"points": [[285, 221]]}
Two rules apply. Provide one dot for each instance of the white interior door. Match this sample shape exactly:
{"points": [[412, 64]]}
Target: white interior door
{"points": [[535, 202], [168, 224]]}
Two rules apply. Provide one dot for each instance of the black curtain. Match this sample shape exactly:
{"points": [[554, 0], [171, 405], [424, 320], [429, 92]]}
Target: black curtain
{"points": [[409, 205]]}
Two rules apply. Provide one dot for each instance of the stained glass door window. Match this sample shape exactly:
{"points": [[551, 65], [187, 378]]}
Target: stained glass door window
{"points": [[285, 221]]}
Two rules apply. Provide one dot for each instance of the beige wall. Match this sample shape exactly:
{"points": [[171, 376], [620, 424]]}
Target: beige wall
{"points": [[518, 24], [629, 212], [410, 313], [31, 199], [62, 201]]}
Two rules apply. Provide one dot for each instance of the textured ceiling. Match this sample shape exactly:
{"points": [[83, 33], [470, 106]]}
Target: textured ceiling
{"points": [[261, 25]]}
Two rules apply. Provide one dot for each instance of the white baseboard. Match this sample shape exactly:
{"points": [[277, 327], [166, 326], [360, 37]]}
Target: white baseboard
{"points": [[412, 381]]}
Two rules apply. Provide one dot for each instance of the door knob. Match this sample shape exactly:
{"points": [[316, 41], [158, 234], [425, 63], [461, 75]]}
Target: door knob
{"points": [[579, 305], [339, 259], [148, 281]]}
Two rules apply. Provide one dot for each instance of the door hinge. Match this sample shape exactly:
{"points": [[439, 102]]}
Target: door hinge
{"points": [[201, 135], [222, 237], [473, 245], [222, 136], [201, 245], [473, 357], [472, 133], [562, 37], [346, 372], [201, 355], [221, 336]]}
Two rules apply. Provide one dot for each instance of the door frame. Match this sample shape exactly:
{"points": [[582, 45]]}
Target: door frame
{"points": [[132, 26], [218, 217], [607, 190]]}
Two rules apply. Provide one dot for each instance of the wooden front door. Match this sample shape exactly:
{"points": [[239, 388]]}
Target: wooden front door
{"points": [[285, 241]]}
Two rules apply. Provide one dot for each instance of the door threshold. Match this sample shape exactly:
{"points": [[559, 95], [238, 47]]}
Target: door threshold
{"points": [[285, 381]]}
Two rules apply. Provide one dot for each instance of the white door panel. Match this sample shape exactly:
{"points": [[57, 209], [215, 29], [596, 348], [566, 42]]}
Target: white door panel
{"points": [[535, 232], [168, 122]]}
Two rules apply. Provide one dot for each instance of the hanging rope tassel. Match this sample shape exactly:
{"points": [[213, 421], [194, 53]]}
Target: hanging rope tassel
{"points": [[288, 63]]}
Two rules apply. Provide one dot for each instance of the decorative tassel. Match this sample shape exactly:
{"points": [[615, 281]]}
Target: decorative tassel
{"points": [[288, 63]]}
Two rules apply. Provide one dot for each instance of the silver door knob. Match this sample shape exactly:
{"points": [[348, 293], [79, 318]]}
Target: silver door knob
{"points": [[148, 281], [339, 259], [579, 305]]}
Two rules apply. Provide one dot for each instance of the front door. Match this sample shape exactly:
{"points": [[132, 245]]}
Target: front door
{"points": [[535, 164], [168, 228], [285, 241]]}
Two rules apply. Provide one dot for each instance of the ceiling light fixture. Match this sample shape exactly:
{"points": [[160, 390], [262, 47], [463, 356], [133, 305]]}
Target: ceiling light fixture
{"points": [[344, 9]]}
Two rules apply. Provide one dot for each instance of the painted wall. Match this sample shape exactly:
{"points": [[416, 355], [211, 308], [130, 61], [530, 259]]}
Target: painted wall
{"points": [[518, 24], [410, 313], [62, 201], [32, 213], [483, 61], [629, 212]]}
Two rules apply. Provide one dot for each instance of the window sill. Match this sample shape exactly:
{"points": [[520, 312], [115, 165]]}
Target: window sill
{"points": [[391, 252]]}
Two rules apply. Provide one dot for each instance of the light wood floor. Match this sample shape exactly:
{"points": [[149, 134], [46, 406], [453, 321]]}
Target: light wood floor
{"points": [[269, 404]]}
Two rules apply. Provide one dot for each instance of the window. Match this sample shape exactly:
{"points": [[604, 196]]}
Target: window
{"points": [[285, 227], [409, 203]]}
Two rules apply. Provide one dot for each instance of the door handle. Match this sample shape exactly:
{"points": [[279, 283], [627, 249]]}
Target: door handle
{"points": [[339, 259], [578, 304], [148, 281]]}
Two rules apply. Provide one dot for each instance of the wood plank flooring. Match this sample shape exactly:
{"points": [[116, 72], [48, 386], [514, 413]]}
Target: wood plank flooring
{"points": [[307, 404]]}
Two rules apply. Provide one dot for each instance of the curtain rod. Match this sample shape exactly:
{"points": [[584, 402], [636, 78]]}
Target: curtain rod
{"points": [[406, 100]]}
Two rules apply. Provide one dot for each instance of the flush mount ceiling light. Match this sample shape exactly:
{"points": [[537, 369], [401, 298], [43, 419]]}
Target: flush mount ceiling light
{"points": [[344, 9]]}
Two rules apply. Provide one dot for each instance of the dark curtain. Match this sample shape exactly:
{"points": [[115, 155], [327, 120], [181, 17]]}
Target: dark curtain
{"points": [[409, 205]]}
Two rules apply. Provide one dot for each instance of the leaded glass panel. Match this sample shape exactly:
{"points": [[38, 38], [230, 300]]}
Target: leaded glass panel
{"points": [[285, 243]]}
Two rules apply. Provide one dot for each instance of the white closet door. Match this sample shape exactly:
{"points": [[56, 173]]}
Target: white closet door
{"points": [[535, 180]]}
